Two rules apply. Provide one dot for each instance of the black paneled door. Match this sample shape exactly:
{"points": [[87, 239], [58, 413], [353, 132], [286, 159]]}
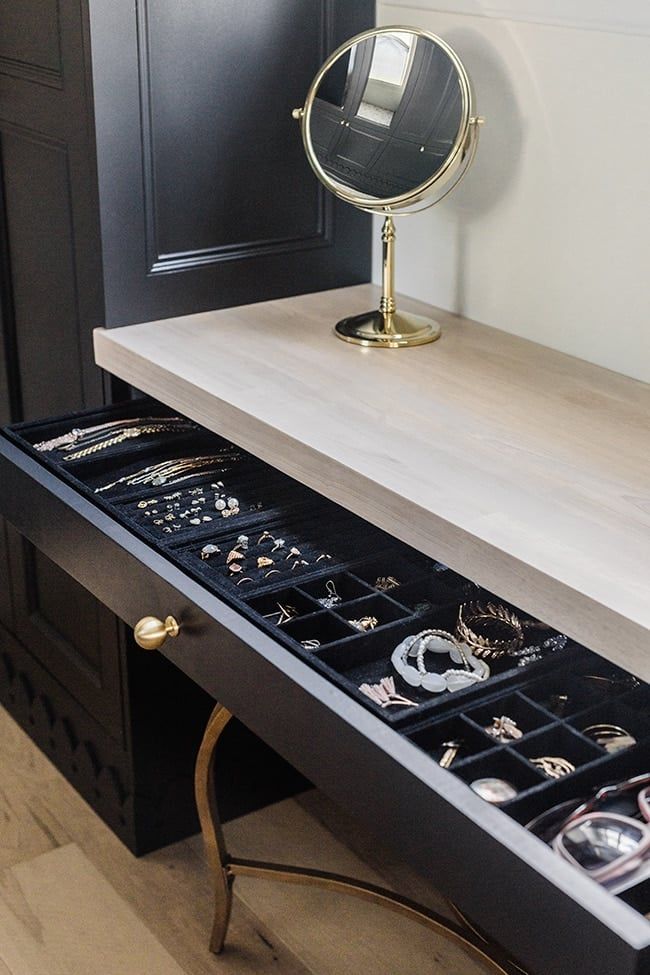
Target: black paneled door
{"points": [[165, 125], [50, 286], [207, 199]]}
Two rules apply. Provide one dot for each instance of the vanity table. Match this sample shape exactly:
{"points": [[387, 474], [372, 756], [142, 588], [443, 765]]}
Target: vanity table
{"points": [[519, 468]]}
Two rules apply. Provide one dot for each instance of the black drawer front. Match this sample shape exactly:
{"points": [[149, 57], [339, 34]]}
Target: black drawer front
{"points": [[547, 914]]}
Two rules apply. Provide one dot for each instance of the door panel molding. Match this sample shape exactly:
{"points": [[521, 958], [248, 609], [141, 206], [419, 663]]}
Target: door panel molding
{"points": [[157, 260]]}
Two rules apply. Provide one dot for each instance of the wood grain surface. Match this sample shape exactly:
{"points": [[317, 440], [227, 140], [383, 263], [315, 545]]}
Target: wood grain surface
{"points": [[523, 468], [74, 901]]}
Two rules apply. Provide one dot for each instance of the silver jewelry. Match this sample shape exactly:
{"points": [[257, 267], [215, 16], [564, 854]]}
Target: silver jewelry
{"points": [[243, 541], [310, 644], [209, 550], [278, 543], [332, 598], [437, 641], [113, 432], [493, 790], [365, 623]]}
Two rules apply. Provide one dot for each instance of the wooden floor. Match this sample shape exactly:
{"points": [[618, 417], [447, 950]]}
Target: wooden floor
{"points": [[74, 901]]}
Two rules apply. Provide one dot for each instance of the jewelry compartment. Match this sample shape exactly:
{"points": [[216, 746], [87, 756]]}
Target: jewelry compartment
{"points": [[339, 592], [359, 750]]}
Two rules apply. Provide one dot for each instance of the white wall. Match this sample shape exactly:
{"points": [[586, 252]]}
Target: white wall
{"points": [[549, 235]]}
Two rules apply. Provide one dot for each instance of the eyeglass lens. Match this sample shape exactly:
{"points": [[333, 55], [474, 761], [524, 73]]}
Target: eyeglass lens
{"points": [[597, 843]]}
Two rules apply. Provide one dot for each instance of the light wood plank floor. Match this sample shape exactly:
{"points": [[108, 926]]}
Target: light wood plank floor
{"points": [[74, 901]]}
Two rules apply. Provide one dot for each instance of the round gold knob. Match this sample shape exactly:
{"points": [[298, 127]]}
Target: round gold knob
{"points": [[150, 633]]}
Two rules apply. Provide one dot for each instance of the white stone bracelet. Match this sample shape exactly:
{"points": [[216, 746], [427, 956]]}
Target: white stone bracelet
{"points": [[438, 641]]}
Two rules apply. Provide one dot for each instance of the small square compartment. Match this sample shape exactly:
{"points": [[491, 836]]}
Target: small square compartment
{"points": [[403, 568], [528, 717], [500, 764], [558, 740], [347, 586], [580, 691], [324, 627], [384, 610], [269, 604], [614, 713], [432, 738]]}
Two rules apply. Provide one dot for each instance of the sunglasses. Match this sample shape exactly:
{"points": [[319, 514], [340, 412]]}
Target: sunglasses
{"points": [[607, 846], [602, 835]]}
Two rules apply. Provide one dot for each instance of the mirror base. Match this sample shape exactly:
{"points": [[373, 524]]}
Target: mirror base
{"points": [[379, 331]]}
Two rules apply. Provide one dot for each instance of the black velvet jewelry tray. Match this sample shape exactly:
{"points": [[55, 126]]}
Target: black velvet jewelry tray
{"points": [[552, 710], [338, 547]]}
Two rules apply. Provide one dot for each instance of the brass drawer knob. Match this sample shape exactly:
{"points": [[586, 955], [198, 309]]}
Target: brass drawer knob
{"points": [[150, 633]]}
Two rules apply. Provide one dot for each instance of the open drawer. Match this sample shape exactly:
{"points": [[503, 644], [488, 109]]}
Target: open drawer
{"points": [[284, 652]]}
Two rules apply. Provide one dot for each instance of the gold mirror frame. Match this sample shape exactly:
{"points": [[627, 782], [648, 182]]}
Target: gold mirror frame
{"points": [[386, 327]]}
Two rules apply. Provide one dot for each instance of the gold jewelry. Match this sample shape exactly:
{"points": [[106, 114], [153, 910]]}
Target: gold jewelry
{"points": [[553, 766], [365, 623], [264, 536], [611, 737], [264, 561], [384, 694], [113, 431], [175, 471], [451, 751], [386, 583], [234, 554], [489, 617], [504, 729], [118, 438], [284, 614]]}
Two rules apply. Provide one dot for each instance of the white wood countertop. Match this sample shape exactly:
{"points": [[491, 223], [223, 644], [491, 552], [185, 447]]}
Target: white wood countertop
{"points": [[523, 468]]}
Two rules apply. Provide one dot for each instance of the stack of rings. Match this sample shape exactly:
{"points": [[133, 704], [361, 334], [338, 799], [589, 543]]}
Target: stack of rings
{"points": [[437, 641]]}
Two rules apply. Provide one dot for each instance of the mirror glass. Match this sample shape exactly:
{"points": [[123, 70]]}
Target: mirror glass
{"points": [[387, 114]]}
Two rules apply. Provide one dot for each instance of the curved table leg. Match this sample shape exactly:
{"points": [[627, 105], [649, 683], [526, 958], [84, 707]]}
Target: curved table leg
{"points": [[215, 846], [225, 868]]}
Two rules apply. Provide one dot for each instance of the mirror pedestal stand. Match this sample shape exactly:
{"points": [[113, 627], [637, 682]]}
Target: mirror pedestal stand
{"points": [[388, 328]]}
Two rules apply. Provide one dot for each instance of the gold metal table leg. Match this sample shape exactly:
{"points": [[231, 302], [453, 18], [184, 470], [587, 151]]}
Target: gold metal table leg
{"points": [[225, 868]]}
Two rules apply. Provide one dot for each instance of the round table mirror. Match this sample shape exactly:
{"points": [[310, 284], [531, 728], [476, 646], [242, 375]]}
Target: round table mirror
{"points": [[389, 126]]}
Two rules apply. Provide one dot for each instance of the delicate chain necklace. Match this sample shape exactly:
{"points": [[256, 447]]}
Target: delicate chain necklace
{"points": [[180, 469], [95, 434], [118, 438]]}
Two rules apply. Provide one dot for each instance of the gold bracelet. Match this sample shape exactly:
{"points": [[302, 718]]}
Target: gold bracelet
{"points": [[489, 616]]}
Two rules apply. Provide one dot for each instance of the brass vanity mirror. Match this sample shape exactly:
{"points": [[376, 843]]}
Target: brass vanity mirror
{"points": [[389, 126]]}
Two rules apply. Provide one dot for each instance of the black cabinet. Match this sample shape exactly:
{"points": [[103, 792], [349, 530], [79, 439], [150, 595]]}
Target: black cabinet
{"points": [[148, 166]]}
